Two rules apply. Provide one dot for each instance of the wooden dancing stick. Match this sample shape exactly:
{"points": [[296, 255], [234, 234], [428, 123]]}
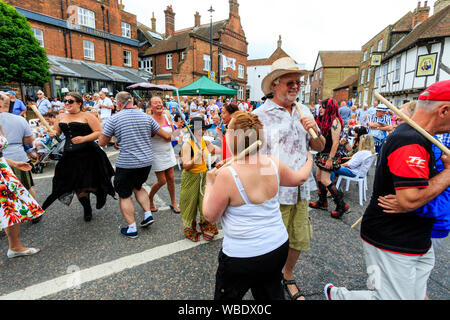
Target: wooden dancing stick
{"points": [[428, 136], [357, 223], [242, 155], [311, 131], [43, 121]]}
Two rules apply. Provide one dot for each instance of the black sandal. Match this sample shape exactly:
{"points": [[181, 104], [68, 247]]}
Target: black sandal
{"points": [[287, 283]]}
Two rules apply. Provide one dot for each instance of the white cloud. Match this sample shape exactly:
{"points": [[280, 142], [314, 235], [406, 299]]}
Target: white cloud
{"points": [[306, 26]]}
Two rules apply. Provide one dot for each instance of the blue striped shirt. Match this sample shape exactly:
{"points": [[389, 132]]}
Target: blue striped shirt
{"points": [[133, 130]]}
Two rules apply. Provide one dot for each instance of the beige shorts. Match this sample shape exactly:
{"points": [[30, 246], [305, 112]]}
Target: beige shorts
{"points": [[298, 224]]}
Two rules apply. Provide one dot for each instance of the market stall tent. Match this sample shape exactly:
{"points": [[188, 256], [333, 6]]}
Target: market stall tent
{"points": [[206, 87]]}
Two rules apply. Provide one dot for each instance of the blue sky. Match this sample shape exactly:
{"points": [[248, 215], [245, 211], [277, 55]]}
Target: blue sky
{"points": [[306, 26]]}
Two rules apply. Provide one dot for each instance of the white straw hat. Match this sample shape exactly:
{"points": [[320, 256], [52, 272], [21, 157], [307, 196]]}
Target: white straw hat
{"points": [[279, 68]]}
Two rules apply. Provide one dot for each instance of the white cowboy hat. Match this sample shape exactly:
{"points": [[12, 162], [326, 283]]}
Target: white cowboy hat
{"points": [[279, 68]]}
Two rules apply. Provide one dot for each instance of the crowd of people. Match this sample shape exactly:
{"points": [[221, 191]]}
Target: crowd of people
{"points": [[261, 197]]}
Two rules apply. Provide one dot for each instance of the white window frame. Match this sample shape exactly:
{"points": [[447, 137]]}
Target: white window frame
{"points": [[39, 35], [183, 55], [384, 75], [363, 76], [206, 62], [380, 45], [146, 64], [398, 64], [240, 93], [127, 56], [126, 30], [169, 58], [368, 75], [377, 77], [241, 71], [89, 50], [86, 17], [365, 55]]}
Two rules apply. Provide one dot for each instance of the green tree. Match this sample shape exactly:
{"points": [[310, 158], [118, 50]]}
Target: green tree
{"points": [[22, 59]]}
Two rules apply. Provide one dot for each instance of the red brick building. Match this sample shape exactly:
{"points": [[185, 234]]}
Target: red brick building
{"points": [[180, 57], [90, 44]]}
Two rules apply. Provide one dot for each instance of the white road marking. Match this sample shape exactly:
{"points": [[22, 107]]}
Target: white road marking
{"points": [[67, 282]]}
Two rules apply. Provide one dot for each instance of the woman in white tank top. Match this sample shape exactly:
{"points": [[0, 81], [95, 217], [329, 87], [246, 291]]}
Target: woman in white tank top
{"points": [[244, 197]]}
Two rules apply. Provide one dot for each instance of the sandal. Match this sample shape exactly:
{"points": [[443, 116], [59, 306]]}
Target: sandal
{"points": [[287, 283], [153, 209], [173, 210]]}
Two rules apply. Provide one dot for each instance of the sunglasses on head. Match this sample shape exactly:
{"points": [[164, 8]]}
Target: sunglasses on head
{"points": [[69, 101]]}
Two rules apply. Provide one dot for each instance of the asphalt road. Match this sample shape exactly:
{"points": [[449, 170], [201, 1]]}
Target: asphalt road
{"points": [[93, 261]]}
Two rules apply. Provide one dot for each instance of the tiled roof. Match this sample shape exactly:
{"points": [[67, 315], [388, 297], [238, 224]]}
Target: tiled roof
{"points": [[404, 23], [438, 25], [340, 58], [348, 82], [277, 54]]}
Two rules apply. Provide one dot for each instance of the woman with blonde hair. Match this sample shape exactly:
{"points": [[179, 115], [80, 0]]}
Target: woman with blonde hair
{"points": [[244, 197], [357, 164]]}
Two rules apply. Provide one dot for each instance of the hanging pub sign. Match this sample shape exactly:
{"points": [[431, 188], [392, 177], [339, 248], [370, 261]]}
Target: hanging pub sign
{"points": [[426, 65], [376, 60]]}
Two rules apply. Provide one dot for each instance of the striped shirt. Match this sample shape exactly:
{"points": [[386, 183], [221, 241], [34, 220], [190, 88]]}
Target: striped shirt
{"points": [[384, 120], [133, 130]]}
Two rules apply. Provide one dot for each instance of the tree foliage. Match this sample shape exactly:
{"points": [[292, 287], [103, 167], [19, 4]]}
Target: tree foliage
{"points": [[22, 59]]}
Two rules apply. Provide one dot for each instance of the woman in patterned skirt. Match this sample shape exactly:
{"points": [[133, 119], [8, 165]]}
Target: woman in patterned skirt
{"points": [[193, 181], [16, 204]]}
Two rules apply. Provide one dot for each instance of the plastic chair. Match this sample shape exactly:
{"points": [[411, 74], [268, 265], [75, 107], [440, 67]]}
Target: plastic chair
{"points": [[362, 180]]}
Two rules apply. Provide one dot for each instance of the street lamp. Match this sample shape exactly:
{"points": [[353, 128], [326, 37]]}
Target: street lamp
{"points": [[211, 10]]}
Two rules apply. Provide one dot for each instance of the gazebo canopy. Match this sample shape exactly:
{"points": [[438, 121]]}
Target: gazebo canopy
{"points": [[206, 87]]}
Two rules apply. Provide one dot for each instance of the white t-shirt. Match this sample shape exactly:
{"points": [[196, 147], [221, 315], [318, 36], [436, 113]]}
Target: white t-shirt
{"points": [[105, 112], [355, 164]]}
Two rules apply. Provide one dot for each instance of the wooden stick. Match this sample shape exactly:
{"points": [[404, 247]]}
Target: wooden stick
{"points": [[43, 121], [311, 131], [357, 223], [242, 155], [428, 136]]}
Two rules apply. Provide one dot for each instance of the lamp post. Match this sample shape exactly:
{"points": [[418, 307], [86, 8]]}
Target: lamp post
{"points": [[211, 10]]}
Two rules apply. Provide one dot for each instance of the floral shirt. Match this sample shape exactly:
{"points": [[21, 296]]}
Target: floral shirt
{"points": [[287, 140]]}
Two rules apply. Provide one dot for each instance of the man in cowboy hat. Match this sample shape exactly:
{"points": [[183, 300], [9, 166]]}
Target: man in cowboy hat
{"points": [[287, 138]]}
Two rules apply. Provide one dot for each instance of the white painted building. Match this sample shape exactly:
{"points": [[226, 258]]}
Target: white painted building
{"points": [[258, 69], [418, 60]]}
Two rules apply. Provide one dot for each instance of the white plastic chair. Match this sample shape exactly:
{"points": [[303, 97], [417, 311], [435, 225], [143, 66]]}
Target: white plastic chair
{"points": [[362, 180]]}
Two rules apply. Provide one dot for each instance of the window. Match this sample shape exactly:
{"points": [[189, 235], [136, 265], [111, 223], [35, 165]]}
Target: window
{"points": [[371, 49], [398, 62], [377, 77], [384, 75], [240, 93], [320, 75], [127, 58], [183, 55], [126, 30], [89, 51], [39, 35], [241, 72], [365, 56], [146, 64], [169, 61], [86, 17], [363, 75], [368, 75], [380, 45], [206, 62]]}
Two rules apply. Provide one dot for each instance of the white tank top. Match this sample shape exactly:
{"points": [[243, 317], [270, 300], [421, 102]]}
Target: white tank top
{"points": [[252, 230]]}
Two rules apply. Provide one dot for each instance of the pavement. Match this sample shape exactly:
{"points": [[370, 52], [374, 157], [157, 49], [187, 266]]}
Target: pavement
{"points": [[93, 261]]}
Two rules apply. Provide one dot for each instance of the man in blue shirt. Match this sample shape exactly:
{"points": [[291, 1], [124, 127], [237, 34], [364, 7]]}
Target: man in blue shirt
{"points": [[345, 112], [173, 106], [17, 107]]}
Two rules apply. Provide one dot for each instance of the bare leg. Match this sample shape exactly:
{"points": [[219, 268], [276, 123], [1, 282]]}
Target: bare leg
{"points": [[33, 193], [13, 234], [292, 259], [127, 208], [156, 186], [170, 178], [143, 199]]}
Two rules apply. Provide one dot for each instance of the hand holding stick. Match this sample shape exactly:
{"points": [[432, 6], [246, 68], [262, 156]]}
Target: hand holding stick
{"points": [[311, 131], [241, 156], [44, 122], [428, 136]]}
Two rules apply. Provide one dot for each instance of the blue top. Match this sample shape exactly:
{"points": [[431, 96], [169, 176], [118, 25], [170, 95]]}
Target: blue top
{"points": [[439, 208], [133, 130], [19, 106], [346, 114], [44, 106]]}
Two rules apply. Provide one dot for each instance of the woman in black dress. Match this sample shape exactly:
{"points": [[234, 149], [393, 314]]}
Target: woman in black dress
{"points": [[84, 167]]}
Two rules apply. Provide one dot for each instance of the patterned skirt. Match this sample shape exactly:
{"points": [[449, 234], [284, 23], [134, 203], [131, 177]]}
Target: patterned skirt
{"points": [[17, 205], [191, 200]]}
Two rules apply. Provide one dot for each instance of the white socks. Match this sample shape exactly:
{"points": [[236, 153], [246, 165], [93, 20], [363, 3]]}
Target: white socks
{"points": [[148, 215], [132, 228]]}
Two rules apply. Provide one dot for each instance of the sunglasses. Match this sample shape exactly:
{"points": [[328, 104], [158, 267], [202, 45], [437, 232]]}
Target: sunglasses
{"points": [[291, 83], [69, 101]]}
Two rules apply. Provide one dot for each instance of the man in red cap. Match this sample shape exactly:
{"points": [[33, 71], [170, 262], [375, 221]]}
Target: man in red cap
{"points": [[397, 247]]}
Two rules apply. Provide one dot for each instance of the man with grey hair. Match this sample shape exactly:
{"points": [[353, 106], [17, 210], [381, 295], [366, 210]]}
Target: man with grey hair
{"points": [[288, 139], [397, 246], [133, 130], [44, 106]]}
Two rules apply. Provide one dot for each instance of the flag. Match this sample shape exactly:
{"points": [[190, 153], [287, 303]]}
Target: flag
{"points": [[228, 62]]}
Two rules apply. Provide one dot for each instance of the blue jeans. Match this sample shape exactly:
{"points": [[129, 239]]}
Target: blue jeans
{"points": [[343, 171]]}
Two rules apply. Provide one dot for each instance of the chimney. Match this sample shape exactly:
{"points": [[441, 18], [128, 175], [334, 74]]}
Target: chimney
{"points": [[420, 14], [234, 8], [279, 42], [197, 17], [170, 21], [153, 22], [440, 4], [121, 5]]}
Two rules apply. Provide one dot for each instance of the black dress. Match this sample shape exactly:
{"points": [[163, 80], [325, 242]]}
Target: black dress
{"points": [[83, 168]]}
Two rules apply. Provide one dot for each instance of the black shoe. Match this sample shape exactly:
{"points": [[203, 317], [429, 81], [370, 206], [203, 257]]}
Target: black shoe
{"points": [[36, 220]]}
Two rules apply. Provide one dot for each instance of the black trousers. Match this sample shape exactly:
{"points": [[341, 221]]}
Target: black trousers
{"points": [[262, 275]]}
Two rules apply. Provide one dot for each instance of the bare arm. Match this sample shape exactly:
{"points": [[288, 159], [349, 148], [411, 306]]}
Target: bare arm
{"points": [[96, 128], [335, 134], [217, 194], [164, 134], [213, 149], [315, 144], [292, 178], [103, 140]]}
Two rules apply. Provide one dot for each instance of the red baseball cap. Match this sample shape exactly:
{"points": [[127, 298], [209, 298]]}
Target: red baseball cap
{"points": [[439, 91]]}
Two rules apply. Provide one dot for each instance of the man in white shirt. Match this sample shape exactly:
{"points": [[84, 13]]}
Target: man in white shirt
{"points": [[194, 110], [105, 106]]}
